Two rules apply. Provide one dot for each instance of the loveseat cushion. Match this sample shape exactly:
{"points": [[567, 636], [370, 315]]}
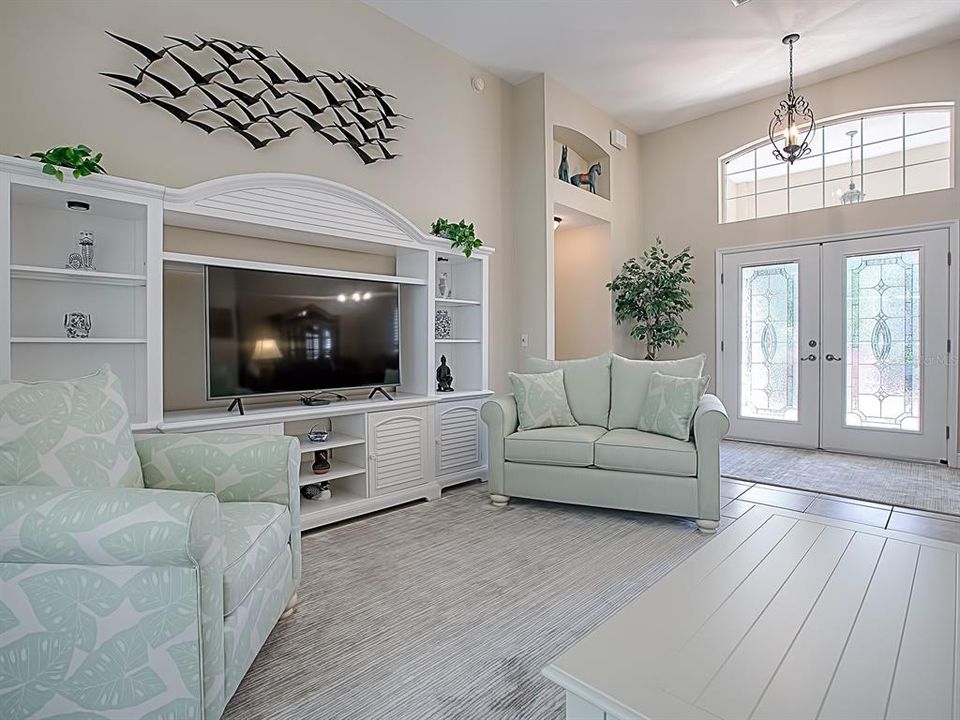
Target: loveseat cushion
{"points": [[629, 380], [70, 433], [254, 534], [569, 446], [587, 383], [637, 451]]}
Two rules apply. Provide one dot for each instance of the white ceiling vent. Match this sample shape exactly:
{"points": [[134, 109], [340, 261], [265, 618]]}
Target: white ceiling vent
{"points": [[738, 3]]}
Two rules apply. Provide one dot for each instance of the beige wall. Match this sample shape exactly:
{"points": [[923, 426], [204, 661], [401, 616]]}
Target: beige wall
{"points": [[453, 149], [679, 175], [582, 269], [566, 109]]}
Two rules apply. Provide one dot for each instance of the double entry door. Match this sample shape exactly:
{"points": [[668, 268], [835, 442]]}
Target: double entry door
{"points": [[840, 345]]}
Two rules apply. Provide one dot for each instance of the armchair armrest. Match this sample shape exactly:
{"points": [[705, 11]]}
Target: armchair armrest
{"points": [[108, 526], [237, 468], [500, 415], [710, 425], [142, 567]]}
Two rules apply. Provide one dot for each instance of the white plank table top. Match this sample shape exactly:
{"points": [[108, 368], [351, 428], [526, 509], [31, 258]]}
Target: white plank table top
{"points": [[783, 616]]}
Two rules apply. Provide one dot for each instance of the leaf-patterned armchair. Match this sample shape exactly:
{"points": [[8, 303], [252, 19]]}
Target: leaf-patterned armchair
{"points": [[135, 582]]}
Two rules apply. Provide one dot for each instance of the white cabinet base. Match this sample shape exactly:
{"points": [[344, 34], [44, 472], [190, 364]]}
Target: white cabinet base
{"points": [[315, 513]]}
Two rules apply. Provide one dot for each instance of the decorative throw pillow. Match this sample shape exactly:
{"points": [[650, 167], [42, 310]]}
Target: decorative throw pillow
{"points": [[671, 403], [541, 400], [71, 433]]}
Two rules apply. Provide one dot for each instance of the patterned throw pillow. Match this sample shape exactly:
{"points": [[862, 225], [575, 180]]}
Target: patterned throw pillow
{"points": [[71, 433], [671, 403], [541, 400]]}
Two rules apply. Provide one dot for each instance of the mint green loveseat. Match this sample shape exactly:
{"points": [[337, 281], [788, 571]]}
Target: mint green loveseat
{"points": [[143, 601], [605, 461]]}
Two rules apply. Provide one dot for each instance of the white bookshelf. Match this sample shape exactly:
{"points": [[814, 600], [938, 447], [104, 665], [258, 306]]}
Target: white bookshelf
{"points": [[122, 295]]}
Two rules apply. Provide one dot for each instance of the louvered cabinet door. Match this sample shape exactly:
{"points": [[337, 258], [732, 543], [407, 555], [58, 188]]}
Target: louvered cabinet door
{"points": [[459, 438], [397, 444]]}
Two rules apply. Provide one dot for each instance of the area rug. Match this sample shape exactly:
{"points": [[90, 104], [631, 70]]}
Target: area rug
{"points": [[892, 482], [450, 609]]}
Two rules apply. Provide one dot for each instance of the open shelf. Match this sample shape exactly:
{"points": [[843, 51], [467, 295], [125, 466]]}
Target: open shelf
{"points": [[188, 259], [456, 301], [457, 340], [334, 440], [37, 272], [579, 207], [79, 341], [338, 498], [338, 469]]}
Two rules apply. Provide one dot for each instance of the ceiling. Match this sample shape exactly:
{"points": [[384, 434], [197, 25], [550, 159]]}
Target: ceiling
{"points": [[657, 63]]}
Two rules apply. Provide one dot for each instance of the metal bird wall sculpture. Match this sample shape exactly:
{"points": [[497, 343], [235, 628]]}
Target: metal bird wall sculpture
{"points": [[215, 84]]}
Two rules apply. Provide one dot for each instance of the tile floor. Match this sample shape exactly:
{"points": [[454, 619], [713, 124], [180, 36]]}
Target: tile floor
{"points": [[737, 496]]}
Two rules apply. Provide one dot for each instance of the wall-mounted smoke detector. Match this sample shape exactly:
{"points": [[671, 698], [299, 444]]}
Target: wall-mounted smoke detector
{"points": [[738, 3]]}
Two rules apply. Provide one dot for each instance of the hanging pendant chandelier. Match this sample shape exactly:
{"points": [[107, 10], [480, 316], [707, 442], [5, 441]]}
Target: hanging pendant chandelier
{"points": [[852, 195], [791, 113]]}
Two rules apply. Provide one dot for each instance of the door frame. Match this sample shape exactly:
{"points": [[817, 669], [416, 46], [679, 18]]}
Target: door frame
{"points": [[953, 310]]}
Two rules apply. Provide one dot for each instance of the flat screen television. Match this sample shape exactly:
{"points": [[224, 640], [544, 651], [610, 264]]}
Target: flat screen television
{"points": [[272, 332]]}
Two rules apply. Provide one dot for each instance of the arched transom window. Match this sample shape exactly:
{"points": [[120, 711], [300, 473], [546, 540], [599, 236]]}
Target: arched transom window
{"points": [[858, 157]]}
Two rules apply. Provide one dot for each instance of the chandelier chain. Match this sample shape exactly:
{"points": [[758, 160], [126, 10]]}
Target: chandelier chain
{"points": [[791, 68]]}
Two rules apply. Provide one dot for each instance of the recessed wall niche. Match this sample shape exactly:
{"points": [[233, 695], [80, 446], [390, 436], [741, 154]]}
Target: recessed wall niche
{"points": [[582, 152]]}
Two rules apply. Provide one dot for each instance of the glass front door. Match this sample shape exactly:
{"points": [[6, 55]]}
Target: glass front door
{"points": [[885, 365], [840, 346]]}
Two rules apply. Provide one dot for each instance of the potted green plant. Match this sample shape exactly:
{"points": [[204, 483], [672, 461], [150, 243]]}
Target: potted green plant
{"points": [[461, 235], [80, 158], [651, 294]]}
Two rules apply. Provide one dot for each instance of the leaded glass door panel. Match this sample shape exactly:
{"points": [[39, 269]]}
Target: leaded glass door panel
{"points": [[770, 368], [884, 372]]}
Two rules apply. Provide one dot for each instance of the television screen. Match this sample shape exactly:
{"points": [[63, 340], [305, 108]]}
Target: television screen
{"points": [[272, 332]]}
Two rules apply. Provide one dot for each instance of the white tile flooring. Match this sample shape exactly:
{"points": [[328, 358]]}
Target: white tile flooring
{"points": [[737, 496]]}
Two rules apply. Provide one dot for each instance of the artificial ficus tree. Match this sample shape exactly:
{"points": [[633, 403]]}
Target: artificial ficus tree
{"points": [[651, 295]]}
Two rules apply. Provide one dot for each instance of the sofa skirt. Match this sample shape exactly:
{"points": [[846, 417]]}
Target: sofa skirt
{"points": [[642, 492]]}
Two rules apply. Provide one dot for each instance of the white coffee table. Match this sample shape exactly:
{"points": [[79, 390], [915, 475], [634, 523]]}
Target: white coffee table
{"points": [[782, 616]]}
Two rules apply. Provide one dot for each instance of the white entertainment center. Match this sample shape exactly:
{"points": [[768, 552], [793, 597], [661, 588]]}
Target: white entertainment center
{"points": [[382, 452]]}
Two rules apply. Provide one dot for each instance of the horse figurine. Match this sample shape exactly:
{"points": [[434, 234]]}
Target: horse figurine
{"points": [[564, 172], [588, 178]]}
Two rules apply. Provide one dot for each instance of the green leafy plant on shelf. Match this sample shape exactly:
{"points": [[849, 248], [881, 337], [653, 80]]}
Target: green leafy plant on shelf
{"points": [[651, 294], [461, 235], [80, 158]]}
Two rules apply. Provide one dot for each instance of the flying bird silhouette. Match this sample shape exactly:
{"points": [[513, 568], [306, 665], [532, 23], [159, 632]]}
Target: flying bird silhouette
{"points": [[308, 103], [150, 55], [319, 127], [139, 97], [387, 155], [234, 78], [129, 80], [196, 47], [229, 58], [178, 112], [256, 142], [275, 79], [366, 157], [297, 72], [282, 132], [203, 126], [234, 123], [175, 90], [198, 78], [245, 97]]}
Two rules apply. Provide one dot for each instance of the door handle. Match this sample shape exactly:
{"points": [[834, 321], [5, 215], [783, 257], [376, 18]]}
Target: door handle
{"points": [[832, 358], [811, 356]]}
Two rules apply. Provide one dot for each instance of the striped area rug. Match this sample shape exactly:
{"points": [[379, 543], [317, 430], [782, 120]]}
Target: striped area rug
{"points": [[449, 609]]}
